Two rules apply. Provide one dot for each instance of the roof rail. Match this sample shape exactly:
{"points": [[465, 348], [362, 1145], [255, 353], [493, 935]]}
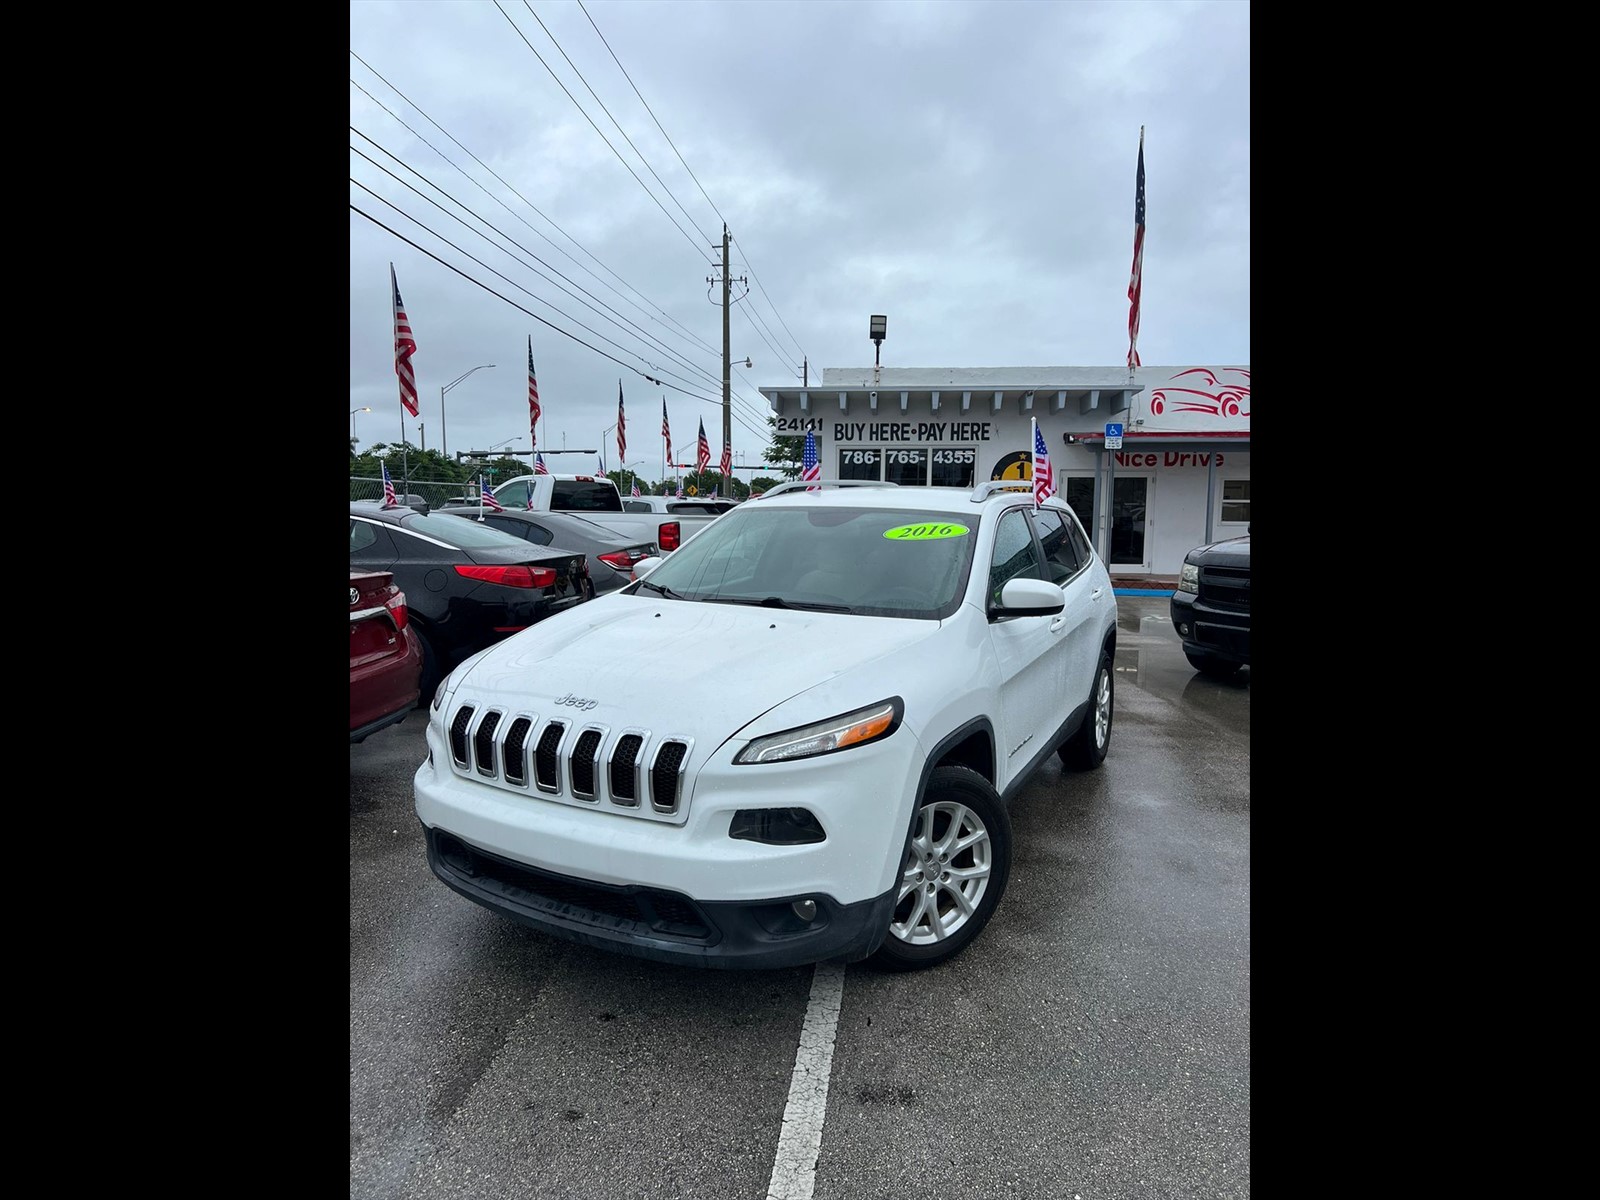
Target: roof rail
{"points": [[796, 485], [982, 491]]}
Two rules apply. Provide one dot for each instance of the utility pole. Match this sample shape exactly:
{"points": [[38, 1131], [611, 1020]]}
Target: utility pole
{"points": [[727, 346]]}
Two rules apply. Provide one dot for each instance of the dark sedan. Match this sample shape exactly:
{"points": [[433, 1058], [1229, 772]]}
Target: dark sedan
{"points": [[467, 586], [611, 556]]}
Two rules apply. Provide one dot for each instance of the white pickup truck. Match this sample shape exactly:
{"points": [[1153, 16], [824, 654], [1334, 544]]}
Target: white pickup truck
{"points": [[597, 498]]}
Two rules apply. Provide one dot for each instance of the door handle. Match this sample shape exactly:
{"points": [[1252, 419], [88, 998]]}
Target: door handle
{"points": [[1058, 624], [1095, 595]]}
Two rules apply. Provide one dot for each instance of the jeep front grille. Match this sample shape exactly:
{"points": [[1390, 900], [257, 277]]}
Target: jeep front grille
{"points": [[516, 754], [591, 765], [625, 770], [666, 776], [582, 765], [546, 763], [483, 744]]}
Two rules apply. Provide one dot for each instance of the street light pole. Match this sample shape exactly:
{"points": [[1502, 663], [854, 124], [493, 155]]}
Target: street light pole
{"points": [[353, 412], [444, 440]]}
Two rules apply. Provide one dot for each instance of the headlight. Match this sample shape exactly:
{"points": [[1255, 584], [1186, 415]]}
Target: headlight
{"points": [[870, 724], [1189, 578]]}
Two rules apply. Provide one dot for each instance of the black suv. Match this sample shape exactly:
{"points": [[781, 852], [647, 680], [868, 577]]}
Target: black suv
{"points": [[1211, 608]]}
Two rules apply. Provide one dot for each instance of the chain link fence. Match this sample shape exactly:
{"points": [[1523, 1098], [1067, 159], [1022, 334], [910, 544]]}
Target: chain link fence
{"points": [[435, 494]]}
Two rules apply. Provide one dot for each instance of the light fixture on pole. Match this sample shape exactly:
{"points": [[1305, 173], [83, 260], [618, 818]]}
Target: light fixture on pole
{"points": [[444, 439], [878, 330], [353, 412]]}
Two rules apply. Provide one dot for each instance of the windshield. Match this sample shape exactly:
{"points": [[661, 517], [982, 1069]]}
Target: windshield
{"points": [[872, 561]]}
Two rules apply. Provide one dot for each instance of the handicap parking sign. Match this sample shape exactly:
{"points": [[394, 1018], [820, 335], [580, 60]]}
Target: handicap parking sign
{"points": [[1114, 429]]}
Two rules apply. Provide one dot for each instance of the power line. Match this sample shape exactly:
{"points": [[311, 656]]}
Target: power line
{"points": [[404, 125], [692, 175], [698, 247], [615, 122], [650, 340], [564, 333]]}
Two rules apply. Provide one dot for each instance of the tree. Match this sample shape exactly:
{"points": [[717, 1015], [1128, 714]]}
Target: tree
{"points": [[785, 452]]}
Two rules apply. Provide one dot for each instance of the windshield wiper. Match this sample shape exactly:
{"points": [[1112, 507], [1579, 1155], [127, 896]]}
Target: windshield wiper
{"points": [[656, 587], [778, 602]]}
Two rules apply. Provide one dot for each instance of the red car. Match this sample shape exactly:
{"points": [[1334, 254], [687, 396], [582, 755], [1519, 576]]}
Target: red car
{"points": [[385, 655]]}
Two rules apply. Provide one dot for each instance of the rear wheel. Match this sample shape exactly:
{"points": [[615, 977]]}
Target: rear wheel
{"points": [[429, 683], [1086, 749], [954, 873]]}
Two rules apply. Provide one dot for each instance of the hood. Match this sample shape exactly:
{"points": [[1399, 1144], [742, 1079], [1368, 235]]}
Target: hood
{"points": [[701, 670], [1233, 552]]}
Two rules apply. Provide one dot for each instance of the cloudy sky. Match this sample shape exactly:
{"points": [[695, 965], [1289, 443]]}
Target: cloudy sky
{"points": [[562, 170]]}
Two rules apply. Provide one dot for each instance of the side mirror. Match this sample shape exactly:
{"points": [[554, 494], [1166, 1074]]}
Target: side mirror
{"points": [[1028, 598], [642, 568]]}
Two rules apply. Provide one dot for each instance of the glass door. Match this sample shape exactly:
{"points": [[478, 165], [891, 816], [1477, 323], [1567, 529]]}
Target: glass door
{"points": [[1130, 524]]}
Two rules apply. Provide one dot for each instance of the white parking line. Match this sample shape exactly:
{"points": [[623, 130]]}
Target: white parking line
{"points": [[794, 1170]]}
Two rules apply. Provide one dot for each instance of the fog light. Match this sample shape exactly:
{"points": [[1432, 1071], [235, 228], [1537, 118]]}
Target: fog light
{"points": [[1183, 628], [806, 910], [776, 826]]}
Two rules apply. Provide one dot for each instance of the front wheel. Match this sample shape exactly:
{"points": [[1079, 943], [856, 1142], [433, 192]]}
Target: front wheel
{"points": [[1086, 749], [954, 874]]}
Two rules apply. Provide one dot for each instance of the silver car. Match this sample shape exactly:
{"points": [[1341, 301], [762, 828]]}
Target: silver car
{"points": [[611, 557]]}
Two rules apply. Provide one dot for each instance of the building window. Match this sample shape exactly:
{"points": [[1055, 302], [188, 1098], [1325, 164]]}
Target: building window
{"points": [[954, 467], [1236, 501], [906, 467], [861, 464]]}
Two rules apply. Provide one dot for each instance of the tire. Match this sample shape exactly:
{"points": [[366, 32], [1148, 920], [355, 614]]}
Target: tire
{"points": [[1212, 668], [1086, 749], [958, 804], [429, 682]]}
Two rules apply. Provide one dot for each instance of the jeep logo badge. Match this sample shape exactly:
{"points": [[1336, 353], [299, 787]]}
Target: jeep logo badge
{"points": [[578, 702]]}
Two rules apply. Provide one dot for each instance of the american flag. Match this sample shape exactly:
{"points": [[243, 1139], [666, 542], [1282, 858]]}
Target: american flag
{"points": [[538, 466], [600, 458], [404, 347], [809, 467], [1136, 280], [1044, 480], [727, 463], [713, 494], [680, 489], [702, 455], [666, 430], [389, 500], [533, 398], [486, 497], [621, 426], [636, 487]]}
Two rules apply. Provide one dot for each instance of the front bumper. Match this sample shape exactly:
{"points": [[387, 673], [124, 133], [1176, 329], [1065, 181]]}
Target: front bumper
{"points": [[531, 828], [662, 925], [1206, 629]]}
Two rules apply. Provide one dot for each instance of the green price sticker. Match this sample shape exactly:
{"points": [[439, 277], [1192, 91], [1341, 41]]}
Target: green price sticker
{"points": [[926, 531]]}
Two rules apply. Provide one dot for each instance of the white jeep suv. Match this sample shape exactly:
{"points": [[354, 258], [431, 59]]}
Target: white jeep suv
{"points": [[793, 741]]}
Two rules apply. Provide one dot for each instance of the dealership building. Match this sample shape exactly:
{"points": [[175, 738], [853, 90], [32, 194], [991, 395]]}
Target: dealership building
{"points": [[1155, 461]]}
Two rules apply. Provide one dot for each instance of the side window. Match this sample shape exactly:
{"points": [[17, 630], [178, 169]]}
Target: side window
{"points": [[537, 534], [1015, 555], [635, 506], [362, 537], [1060, 556], [513, 495], [1080, 541], [507, 525]]}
